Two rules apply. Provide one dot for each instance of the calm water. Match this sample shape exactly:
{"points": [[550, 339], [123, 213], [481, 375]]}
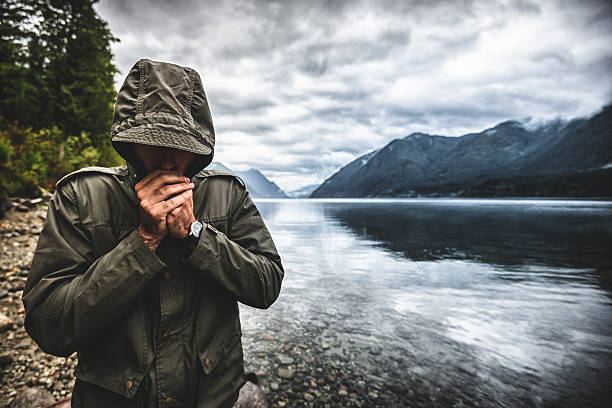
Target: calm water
{"points": [[496, 302]]}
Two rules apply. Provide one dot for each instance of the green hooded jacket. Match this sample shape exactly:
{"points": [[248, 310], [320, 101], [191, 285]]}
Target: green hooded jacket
{"points": [[151, 329]]}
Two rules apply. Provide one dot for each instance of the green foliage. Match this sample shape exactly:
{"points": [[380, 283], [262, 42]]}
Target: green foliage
{"points": [[6, 152], [56, 80], [29, 158]]}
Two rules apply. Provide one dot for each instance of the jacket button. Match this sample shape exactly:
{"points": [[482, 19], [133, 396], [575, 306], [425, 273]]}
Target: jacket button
{"points": [[207, 363], [167, 275], [129, 384]]}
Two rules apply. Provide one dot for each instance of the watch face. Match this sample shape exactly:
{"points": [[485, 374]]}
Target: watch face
{"points": [[196, 228]]}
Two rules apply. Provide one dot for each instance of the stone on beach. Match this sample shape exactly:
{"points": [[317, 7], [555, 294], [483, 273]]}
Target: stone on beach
{"points": [[32, 398], [286, 372], [251, 396]]}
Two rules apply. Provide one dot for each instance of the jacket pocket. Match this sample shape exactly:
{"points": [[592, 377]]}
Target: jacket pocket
{"points": [[124, 381], [216, 353], [117, 359]]}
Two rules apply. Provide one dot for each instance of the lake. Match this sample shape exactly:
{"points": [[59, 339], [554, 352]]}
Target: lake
{"points": [[437, 302]]}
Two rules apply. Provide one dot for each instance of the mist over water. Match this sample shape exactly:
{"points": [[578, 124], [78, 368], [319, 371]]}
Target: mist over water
{"points": [[500, 302]]}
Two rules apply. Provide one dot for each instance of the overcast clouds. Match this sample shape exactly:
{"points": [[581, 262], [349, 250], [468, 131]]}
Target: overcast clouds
{"points": [[298, 89]]}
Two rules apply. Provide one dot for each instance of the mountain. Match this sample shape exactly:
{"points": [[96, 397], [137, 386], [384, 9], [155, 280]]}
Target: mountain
{"points": [[557, 159], [303, 192], [218, 166], [257, 184]]}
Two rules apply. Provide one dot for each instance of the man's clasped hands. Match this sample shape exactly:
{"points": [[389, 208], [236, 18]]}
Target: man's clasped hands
{"points": [[165, 206]]}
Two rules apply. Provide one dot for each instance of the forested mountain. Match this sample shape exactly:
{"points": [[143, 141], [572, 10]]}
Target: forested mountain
{"points": [[557, 159]]}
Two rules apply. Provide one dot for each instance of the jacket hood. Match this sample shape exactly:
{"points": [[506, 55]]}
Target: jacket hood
{"points": [[163, 104]]}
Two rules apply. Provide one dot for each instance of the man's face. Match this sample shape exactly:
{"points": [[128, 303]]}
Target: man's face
{"points": [[165, 158]]}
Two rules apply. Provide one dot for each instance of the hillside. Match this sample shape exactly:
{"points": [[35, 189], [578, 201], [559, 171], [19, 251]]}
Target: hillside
{"points": [[557, 159]]}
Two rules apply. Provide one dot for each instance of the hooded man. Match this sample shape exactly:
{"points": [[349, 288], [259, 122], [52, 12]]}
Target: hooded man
{"points": [[139, 268]]}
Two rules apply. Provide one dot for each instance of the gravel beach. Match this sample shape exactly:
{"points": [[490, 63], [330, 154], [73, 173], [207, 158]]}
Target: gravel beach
{"points": [[22, 362], [287, 361], [294, 367], [325, 343]]}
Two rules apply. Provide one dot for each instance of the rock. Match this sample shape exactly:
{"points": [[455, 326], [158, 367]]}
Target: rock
{"points": [[375, 350], [32, 398], [342, 393], [33, 202], [251, 396], [286, 360], [308, 397], [22, 208], [286, 372], [5, 359], [62, 404], [5, 323], [274, 386]]}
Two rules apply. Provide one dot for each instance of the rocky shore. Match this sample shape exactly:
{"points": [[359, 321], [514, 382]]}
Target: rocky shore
{"points": [[300, 359], [290, 372], [23, 365]]}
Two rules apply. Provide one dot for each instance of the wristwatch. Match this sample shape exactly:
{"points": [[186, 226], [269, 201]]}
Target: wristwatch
{"points": [[195, 229]]}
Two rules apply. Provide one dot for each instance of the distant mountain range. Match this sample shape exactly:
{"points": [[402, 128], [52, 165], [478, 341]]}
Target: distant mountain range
{"points": [[303, 192], [561, 158], [257, 184]]}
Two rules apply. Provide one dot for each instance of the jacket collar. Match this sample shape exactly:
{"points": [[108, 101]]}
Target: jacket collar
{"points": [[134, 175]]}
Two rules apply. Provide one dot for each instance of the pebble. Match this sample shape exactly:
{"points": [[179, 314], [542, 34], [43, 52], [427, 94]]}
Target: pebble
{"points": [[375, 350], [286, 372], [5, 322], [6, 359], [286, 360]]}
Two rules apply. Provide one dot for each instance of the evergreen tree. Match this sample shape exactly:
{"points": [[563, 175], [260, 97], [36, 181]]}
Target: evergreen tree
{"points": [[14, 35], [56, 80], [79, 73]]}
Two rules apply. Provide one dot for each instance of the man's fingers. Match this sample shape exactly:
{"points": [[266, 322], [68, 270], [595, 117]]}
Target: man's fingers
{"points": [[166, 178], [158, 178], [175, 201], [178, 210], [172, 189], [148, 178]]}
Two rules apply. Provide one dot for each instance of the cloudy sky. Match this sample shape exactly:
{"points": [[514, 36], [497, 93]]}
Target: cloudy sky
{"points": [[300, 88]]}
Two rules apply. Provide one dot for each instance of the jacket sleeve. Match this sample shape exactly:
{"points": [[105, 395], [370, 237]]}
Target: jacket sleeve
{"points": [[245, 261], [70, 296]]}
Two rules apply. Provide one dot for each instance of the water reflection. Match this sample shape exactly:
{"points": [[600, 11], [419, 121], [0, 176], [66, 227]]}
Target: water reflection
{"points": [[509, 233], [509, 299]]}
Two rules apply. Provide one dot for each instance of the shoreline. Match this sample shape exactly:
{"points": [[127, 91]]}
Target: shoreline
{"points": [[325, 356]]}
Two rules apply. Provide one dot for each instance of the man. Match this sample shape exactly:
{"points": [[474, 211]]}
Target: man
{"points": [[139, 268]]}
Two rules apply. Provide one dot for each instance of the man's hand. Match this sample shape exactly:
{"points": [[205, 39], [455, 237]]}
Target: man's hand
{"points": [[180, 219], [159, 193]]}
